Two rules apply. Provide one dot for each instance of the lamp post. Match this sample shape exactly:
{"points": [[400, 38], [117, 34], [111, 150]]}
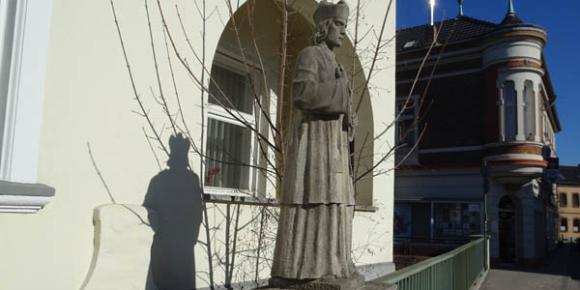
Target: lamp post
{"points": [[485, 175], [432, 5]]}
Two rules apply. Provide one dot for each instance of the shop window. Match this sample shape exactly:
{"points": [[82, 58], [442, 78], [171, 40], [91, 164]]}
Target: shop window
{"points": [[457, 220], [576, 225], [403, 220]]}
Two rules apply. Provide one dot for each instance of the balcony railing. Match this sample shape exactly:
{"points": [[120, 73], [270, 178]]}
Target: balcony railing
{"points": [[459, 269]]}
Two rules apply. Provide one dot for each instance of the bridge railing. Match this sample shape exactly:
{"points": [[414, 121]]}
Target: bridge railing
{"points": [[459, 269]]}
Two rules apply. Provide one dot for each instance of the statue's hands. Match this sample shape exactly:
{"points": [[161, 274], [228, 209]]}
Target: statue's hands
{"points": [[353, 120], [352, 124], [340, 73]]}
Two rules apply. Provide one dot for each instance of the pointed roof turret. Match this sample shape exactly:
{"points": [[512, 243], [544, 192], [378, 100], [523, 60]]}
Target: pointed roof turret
{"points": [[511, 10], [460, 7], [511, 18]]}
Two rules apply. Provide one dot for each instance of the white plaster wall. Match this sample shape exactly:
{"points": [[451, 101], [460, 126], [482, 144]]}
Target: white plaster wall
{"points": [[528, 49], [373, 231], [88, 99]]}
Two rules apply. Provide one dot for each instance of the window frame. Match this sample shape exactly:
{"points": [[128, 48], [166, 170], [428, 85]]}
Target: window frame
{"points": [[25, 29], [564, 225], [229, 61], [405, 117], [530, 111], [503, 109], [575, 200], [563, 199]]}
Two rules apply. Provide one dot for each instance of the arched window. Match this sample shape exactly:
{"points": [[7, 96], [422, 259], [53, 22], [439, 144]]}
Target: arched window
{"points": [[575, 200], [509, 111], [529, 111]]}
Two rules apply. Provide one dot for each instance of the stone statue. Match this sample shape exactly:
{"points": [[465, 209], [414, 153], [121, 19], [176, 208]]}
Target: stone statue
{"points": [[317, 205]]}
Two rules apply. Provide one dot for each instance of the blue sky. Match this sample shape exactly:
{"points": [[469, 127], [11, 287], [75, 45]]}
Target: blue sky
{"points": [[561, 19]]}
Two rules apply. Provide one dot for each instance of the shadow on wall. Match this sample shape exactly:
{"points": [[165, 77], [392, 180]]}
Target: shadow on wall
{"points": [[175, 194]]}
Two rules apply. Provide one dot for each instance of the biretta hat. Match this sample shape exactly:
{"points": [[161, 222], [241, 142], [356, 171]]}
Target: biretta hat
{"points": [[328, 10]]}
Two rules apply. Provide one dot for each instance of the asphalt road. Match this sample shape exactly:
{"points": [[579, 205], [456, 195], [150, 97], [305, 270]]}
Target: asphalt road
{"points": [[560, 272]]}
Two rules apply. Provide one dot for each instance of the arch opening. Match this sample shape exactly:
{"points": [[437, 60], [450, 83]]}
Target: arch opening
{"points": [[249, 57], [507, 221]]}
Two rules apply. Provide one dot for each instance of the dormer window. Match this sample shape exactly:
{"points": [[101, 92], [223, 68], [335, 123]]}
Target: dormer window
{"points": [[410, 44]]}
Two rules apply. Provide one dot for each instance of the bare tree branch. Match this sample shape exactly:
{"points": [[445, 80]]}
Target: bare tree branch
{"points": [[144, 112], [99, 174]]}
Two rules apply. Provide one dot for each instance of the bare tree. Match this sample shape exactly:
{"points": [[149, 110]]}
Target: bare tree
{"points": [[235, 243]]}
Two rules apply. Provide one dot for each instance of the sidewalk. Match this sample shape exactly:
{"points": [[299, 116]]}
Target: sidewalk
{"points": [[561, 272]]}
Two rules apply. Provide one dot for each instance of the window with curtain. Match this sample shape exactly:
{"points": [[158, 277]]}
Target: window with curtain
{"points": [[510, 115], [529, 111], [230, 140]]}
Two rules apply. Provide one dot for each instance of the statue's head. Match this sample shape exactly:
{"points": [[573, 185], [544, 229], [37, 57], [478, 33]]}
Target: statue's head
{"points": [[330, 20]]}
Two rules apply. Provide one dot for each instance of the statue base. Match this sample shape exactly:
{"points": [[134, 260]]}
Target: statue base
{"points": [[355, 282]]}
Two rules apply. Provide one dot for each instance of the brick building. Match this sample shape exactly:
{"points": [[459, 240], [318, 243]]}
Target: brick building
{"points": [[483, 96]]}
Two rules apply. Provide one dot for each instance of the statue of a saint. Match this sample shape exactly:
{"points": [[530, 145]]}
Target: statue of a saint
{"points": [[317, 206]]}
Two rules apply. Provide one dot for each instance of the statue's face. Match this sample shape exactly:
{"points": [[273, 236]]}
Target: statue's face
{"points": [[336, 33]]}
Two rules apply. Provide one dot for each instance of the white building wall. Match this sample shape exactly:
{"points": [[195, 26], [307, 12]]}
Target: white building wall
{"points": [[88, 100], [527, 206]]}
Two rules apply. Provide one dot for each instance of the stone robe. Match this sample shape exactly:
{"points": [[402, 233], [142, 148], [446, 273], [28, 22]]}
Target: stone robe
{"points": [[315, 225]]}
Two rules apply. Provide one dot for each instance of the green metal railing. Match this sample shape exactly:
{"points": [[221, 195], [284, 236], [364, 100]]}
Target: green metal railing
{"points": [[455, 270]]}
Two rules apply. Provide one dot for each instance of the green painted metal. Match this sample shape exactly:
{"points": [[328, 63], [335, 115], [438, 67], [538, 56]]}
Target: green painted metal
{"points": [[456, 270]]}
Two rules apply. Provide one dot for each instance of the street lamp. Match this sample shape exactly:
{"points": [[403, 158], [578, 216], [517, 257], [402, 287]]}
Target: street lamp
{"points": [[432, 5], [485, 175]]}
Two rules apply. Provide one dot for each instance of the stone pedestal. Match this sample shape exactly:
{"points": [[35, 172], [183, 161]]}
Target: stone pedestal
{"points": [[378, 286], [354, 283]]}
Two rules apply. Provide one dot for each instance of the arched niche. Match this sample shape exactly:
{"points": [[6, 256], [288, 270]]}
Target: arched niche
{"points": [[259, 26]]}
